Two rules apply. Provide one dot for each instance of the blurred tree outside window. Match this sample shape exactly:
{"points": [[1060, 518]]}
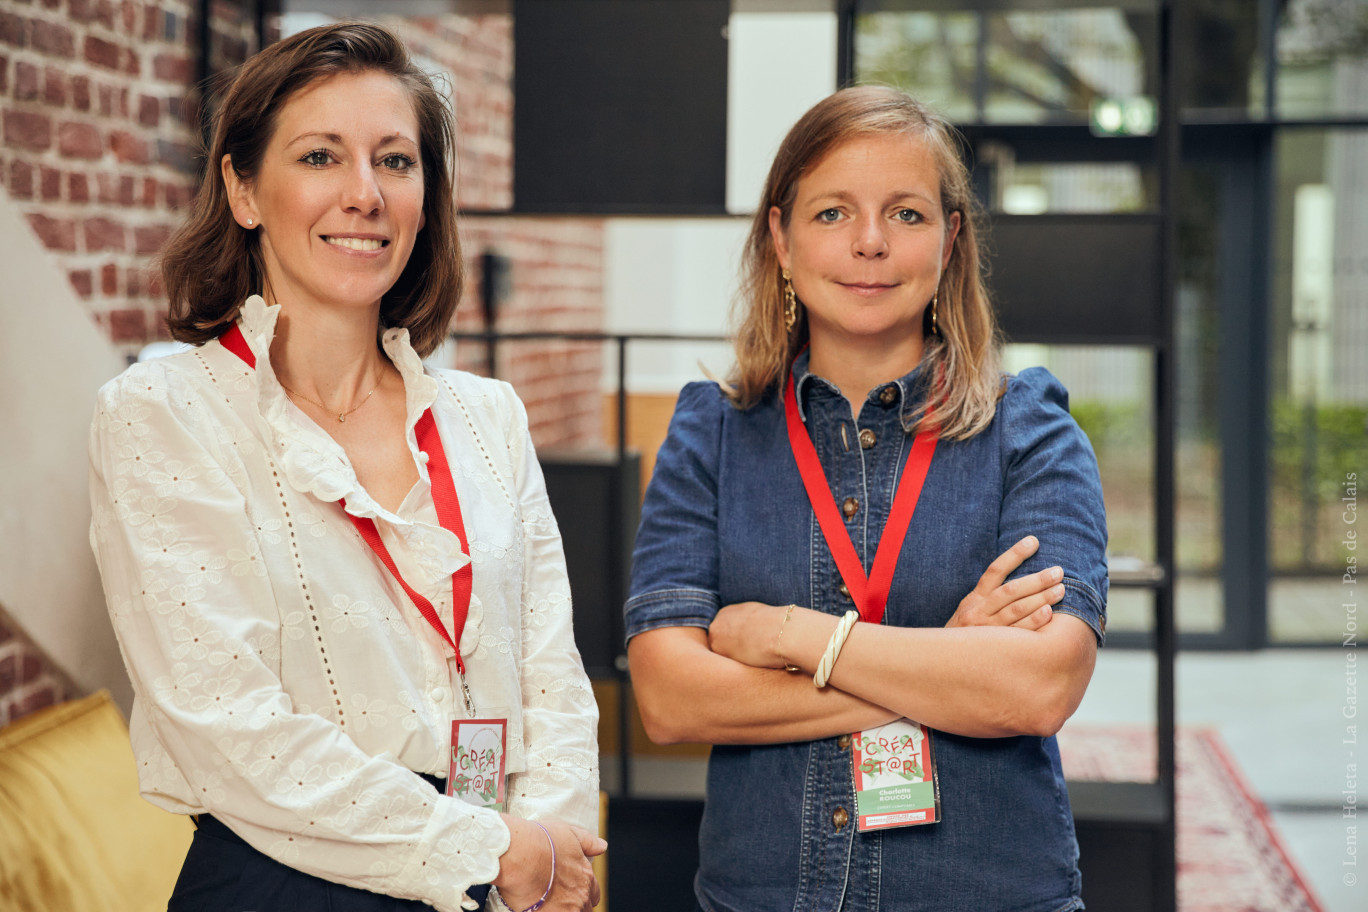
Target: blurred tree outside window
{"points": [[1319, 367], [1010, 67], [1322, 58]]}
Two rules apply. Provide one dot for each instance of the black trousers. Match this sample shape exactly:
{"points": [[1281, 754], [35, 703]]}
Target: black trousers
{"points": [[222, 873]]}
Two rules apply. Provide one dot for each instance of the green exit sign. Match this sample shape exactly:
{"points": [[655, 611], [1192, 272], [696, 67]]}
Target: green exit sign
{"points": [[1136, 116]]}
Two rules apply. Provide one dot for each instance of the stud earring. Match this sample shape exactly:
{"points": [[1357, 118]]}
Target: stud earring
{"points": [[249, 223], [790, 302]]}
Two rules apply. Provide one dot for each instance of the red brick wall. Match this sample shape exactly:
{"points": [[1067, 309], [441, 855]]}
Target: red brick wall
{"points": [[28, 681], [95, 145], [557, 286], [477, 51]]}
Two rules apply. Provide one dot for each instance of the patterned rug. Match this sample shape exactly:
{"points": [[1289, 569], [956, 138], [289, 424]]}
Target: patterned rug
{"points": [[1230, 856]]}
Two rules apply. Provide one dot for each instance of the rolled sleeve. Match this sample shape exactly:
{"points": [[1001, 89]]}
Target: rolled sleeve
{"points": [[671, 608], [1052, 489], [675, 561]]}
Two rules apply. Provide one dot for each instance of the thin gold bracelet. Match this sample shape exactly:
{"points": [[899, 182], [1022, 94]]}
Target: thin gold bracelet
{"points": [[788, 666]]}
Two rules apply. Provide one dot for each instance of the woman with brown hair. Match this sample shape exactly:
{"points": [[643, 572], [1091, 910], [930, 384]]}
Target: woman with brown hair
{"points": [[882, 740], [333, 571]]}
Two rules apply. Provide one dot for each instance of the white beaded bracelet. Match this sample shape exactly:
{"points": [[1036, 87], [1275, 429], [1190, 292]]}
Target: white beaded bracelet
{"points": [[833, 648]]}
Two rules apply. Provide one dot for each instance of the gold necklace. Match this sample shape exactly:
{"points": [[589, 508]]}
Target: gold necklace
{"points": [[341, 416]]}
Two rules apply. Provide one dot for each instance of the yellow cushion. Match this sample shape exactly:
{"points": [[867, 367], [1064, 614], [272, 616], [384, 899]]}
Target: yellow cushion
{"points": [[74, 833]]}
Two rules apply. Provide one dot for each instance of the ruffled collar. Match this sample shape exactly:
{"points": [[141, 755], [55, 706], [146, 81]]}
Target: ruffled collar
{"points": [[315, 464]]}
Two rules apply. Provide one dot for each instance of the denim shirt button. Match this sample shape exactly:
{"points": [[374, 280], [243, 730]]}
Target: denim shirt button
{"points": [[849, 507], [845, 592], [868, 438], [843, 742], [839, 818], [888, 394]]}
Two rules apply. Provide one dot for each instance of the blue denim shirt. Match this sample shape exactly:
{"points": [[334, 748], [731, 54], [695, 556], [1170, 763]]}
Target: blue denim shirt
{"points": [[726, 519]]}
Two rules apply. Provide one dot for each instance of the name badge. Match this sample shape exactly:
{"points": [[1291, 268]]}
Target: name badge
{"points": [[895, 776], [478, 750]]}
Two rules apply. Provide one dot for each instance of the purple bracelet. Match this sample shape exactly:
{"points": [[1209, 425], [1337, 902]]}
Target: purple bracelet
{"points": [[541, 902]]}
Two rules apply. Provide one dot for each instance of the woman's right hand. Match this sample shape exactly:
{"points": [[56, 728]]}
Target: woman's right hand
{"points": [[526, 867], [1023, 602]]}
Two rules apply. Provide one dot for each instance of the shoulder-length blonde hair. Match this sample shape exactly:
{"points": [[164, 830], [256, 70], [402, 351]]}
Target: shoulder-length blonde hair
{"points": [[211, 264], [962, 359]]}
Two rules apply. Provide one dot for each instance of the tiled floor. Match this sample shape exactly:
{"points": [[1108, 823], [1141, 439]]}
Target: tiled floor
{"points": [[1282, 714]]}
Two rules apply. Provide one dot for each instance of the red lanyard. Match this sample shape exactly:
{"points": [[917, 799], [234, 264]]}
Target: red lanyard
{"points": [[869, 594], [448, 514]]}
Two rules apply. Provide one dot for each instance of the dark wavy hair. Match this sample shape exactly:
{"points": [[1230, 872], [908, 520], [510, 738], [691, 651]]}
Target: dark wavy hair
{"points": [[211, 264]]}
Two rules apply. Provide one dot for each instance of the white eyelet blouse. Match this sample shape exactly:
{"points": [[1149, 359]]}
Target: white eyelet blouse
{"points": [[284, 681]]}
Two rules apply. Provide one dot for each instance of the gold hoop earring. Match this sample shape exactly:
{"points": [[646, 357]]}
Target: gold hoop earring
{"points": [[790, 302], [935, 328]]}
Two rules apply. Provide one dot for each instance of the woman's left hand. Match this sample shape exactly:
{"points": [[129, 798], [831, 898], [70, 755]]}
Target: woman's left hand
{"points": [[747, 631], [1024, 602], [524, 866]]}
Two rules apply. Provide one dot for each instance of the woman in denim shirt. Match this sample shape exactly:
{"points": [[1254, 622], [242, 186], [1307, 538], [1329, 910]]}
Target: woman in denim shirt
{"points": [[863, 285]]}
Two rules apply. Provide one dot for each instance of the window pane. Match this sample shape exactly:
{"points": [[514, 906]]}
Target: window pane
{"points": [[929, 55], [1052, 66], [1036, 187], [1205, 280], [1129, 610], [1322, 51], [1319, 377], [1017, 67], [1218, 47], [1111, 398]]}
